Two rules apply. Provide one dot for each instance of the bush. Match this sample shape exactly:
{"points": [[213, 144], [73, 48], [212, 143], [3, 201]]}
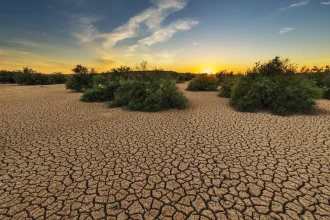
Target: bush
{"points": [[30, 77], [100, 93], [81, 79], [224, 75], [294, 95], [203, 82], [251, 94], [282, 91], [57, 78], [274, 67], [326, 84], [226, 86], [149, 96], [7, 76]]}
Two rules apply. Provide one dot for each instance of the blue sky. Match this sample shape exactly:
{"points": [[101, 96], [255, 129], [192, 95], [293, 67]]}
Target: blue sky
{"points": [[181, 35]]}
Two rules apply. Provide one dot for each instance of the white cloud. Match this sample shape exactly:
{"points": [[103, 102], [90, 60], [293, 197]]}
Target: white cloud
{"points": [[286, 30], [151, 19], [166, 33], [167, 56], [89, 31], [325, 3], [299, 4]]}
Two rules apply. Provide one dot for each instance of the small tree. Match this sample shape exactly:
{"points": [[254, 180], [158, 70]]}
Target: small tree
{"points": [[81, 79], [79, 69]]}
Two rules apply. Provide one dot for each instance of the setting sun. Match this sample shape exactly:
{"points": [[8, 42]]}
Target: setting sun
{"points": [[208, 71]]}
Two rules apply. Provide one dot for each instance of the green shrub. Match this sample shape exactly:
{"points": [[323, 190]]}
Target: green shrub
{"points": [[226, 86], [224, 75], [252, 93], [149, 96], [274, 67], [183, 77], [283, 95], [95, 94], [57, 78], [326, 84], [294, 94], [276, 87], [30, 77], [81, 79], [203, 82], [100, 93], [7, 76]]}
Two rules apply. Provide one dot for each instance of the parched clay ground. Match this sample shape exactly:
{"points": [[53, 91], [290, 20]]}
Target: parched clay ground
{"points": [[64, 159]]}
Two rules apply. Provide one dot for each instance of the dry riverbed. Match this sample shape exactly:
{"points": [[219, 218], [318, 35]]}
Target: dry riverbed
{"points": [[61, 158]]}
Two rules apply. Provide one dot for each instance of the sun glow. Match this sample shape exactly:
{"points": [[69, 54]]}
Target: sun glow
{"points": [[208, 71]]}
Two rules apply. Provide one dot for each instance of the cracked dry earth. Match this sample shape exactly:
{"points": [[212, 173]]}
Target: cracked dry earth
{"points": [[64, 159]]}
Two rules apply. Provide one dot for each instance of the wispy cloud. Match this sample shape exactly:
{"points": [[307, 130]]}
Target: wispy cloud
{"points": [[299, 4], [28, 43], [285, 30], [167, 56], [106, 61], [325, 3], [87, 30], [166, 33], [23, 58], [151, 19], [13, 52]]}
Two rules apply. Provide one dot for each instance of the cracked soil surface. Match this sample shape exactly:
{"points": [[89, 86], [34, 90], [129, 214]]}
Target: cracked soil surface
{"points": [[64, 159]]}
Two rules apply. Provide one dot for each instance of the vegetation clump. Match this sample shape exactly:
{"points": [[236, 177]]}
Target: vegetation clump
{"points": [[275, 86], [7, 76], [100, 93], [30, 77], [203, 82], [81, 79], [326, 84], [149, 96], [227, 85], [136, 90]]}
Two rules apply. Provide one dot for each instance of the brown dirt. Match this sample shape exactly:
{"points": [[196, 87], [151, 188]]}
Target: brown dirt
{"points": [[63, 159]]}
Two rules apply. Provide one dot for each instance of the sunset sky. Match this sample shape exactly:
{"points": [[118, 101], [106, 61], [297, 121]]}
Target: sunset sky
{"points": [[179, 35]]}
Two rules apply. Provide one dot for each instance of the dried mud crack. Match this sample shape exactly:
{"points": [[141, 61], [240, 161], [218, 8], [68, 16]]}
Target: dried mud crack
{"points": [[64, 159]]}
